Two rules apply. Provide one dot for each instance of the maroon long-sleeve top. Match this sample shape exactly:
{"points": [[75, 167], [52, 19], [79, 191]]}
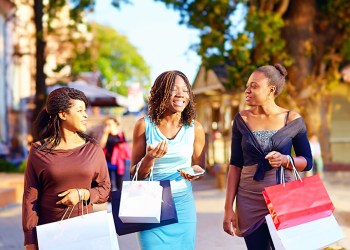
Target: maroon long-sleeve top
{"points": [[50, 173]]}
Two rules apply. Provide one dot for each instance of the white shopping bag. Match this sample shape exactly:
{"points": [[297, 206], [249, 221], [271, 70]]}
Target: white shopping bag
{"points": [[140, 202], [312, 235], [94, 231]]}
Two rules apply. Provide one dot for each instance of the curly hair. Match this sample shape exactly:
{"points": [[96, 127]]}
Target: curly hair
{"points": [[161, 93], [47, 123]]}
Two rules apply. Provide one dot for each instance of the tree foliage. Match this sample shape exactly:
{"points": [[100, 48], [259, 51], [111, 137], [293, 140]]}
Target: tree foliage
{"points": [[244, 34], [112, 55], [311, 38], [52, 8]]}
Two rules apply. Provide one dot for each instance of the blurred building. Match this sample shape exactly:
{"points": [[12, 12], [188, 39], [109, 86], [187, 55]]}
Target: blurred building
{"points": [[215, 108], [136, 101], [7, 11], [345, 74], [17, 64]]}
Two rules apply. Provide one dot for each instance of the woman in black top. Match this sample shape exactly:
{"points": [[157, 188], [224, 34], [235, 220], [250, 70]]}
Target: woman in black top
{"points": [[262, 140]]}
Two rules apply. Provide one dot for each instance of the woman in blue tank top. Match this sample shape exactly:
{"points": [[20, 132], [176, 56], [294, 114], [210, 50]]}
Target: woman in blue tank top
{"points": [[169, 139]]}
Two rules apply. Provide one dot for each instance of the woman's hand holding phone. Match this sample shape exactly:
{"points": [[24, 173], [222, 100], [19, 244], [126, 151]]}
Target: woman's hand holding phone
{"points": [[191, 173]]}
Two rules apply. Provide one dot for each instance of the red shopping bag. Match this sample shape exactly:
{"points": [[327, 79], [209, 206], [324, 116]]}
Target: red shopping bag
{"points": [[298, 202]]}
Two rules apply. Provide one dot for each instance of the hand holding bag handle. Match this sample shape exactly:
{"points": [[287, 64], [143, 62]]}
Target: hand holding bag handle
{"points": [[138, 165], [168, 209], [295, 172]]}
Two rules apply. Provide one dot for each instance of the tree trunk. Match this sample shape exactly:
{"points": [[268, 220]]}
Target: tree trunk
{"points": [[306, 72], [325, 128], [298, 33], [40, 77]]}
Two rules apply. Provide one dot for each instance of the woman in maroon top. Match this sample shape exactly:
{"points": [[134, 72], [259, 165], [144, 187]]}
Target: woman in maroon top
{"points": [[64, 167]]}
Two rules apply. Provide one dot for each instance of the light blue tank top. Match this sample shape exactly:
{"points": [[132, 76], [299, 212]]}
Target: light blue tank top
{"points": [[179, 155]]}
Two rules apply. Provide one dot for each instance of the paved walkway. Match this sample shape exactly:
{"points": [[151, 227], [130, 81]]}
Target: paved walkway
{"points": [[209, 203]]}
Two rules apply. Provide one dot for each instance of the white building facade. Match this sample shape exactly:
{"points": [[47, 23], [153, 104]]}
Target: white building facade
{"points": [[7, 11]]}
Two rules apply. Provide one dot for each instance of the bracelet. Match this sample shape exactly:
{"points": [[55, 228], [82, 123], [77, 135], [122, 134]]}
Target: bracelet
{"points": [[80, 195], [288, 161]]}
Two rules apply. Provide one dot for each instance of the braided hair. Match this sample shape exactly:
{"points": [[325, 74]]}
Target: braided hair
{"points": [[160, 96], [47, 123]]}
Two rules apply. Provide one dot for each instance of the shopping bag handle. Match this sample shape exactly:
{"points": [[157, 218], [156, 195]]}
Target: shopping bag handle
{"points": [[295, 172], [82, 210], [138, 165], [65, 212]]}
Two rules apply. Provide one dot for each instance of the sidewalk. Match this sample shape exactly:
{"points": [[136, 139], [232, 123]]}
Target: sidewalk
{"points": [[209, 203], [11, 188], [338, 187]]}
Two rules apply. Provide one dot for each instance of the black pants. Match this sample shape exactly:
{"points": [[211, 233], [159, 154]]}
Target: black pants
{"points": [[260, 239]]}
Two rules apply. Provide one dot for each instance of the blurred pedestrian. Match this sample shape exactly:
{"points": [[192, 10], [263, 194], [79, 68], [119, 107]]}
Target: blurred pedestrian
{"points": [[262, 139], [116, 149], [316, 155], [4, 151], [170, 139], [65, 167]]}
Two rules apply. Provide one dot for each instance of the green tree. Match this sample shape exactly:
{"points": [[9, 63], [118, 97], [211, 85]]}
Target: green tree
{"points": [[311, 38], [52, 8], [113, 55]]}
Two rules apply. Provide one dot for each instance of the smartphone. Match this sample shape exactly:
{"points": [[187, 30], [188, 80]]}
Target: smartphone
{"points": [[191, 172]]}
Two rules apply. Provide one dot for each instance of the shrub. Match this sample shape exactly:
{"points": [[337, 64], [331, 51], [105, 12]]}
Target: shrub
{"points": [[22, 166], [8, 167]]}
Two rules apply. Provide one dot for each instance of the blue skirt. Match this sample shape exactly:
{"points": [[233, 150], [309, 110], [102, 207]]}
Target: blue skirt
{"points": [[178, 236]]}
